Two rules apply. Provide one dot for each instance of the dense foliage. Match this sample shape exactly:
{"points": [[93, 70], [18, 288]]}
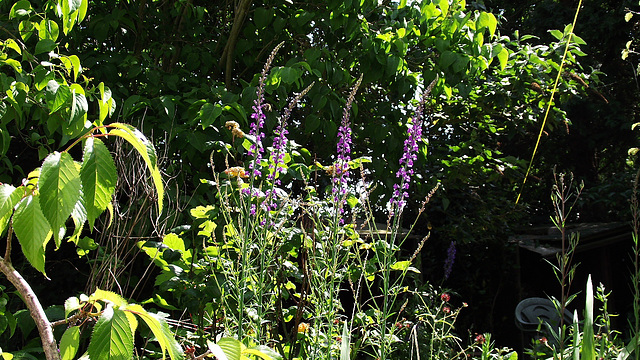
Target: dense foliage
{"points": [[252, 147]]}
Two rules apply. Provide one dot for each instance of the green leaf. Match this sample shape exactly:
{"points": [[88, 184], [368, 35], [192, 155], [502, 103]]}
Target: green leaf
{"points": [[32, 230], [99, 176], [216, 350], [346, 343], [108, 296], [9, 198], [21, 8], [146, 150], [232, 348], [556, 34], [69, 343], [112, 338], [59, 186], [447, 58], [208, 114], [79, 109], [82, 11], [12, 44], [161, 331], [26, 28], [487, 20], [48, 29], [62, 93], [401, 265], [45, 46], [75, 63], [588, 347], [70, 305], [15, 64], [503, 57]]}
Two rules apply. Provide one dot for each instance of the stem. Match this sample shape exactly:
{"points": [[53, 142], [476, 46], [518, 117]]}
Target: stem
{"points": [[35, 308]]}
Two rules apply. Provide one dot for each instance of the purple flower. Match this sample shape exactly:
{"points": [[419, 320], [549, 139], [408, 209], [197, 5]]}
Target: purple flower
{"points": [[409, 155], [341, 166], [258, 115], [451, 258], [276, 165]]}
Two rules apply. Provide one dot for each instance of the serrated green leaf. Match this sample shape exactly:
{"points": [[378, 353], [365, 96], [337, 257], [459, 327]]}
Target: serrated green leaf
{"points": [[69, 343], [79, 216], [112, 338], [108, 296], [59, 186], [146, 151], [216, 350], [161, 331], [99, 176], [231, 347], [32, 230], [9, 198]]}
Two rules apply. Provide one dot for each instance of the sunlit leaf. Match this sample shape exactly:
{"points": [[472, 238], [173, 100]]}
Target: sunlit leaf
{"points": [[99, 177], [9, 198], [32, 230], [161, 331], [146, 151], [69, 343], [59, 186], [112, 338]]}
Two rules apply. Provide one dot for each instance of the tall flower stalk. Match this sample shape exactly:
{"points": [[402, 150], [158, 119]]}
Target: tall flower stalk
{"points": [[328, 257], [386, 253], [249, 227]]}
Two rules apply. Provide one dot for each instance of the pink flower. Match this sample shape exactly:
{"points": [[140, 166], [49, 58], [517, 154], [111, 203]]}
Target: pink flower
{"points": [[445, 297], [446, 309]]}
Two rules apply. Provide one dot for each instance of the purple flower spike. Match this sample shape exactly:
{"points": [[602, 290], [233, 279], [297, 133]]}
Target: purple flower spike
{"points": [[277, 156], [258, 115], [451, 258], [409, 155], [341, 167]]}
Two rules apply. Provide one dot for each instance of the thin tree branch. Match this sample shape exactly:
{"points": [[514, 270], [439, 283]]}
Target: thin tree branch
{"points": [[35, 308]]}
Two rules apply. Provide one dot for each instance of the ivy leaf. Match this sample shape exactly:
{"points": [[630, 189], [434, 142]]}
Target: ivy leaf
{"points": [[59, 186], [112, 338], [99, 176], [32, 230], [161, 331], [146, 150]]}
